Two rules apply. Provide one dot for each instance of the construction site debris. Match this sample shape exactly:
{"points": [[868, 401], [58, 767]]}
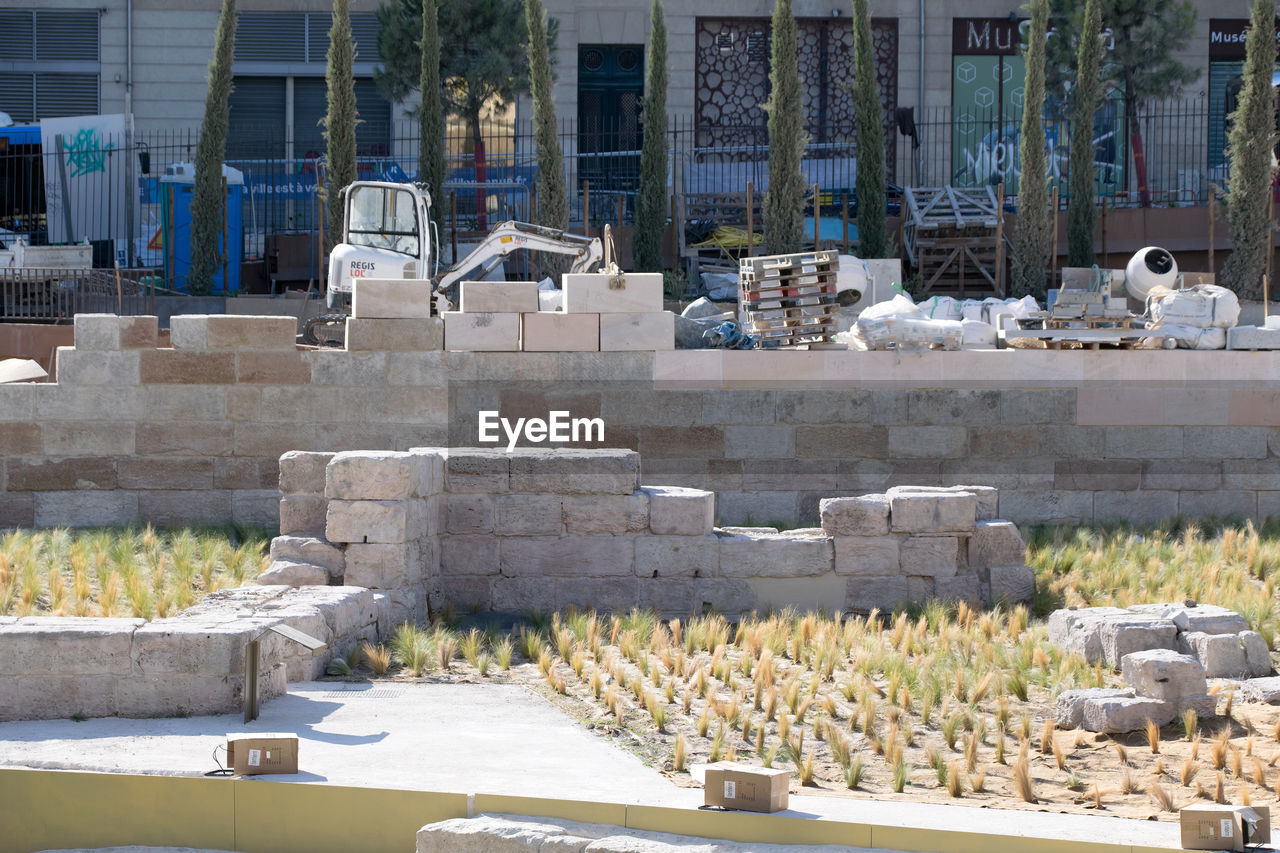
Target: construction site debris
{"points": [[789, 300], [20, 370]]}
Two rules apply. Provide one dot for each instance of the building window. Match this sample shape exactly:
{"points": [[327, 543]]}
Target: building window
{"points": [[279, 95], [49, 63]]}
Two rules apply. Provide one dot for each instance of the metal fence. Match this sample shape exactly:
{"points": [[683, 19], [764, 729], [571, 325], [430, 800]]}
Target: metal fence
{"points": [[1182, 141]]}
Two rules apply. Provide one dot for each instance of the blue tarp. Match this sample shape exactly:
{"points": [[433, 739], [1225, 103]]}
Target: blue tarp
{"points": [[22, 134]]}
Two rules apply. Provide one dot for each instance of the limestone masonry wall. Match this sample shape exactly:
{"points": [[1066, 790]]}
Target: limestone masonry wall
{"points": [[543, 530], [193, 433]]}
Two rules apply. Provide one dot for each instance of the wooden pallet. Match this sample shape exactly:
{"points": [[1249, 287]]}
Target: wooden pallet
{"points": [[952, 237]]}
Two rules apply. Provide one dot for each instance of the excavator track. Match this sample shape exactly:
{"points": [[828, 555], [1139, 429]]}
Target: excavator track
{"points": [[326, 330]]}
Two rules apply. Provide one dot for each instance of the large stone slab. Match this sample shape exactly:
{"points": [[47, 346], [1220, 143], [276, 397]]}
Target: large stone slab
{"points": [[303, 472], [1068, 707], [1135, 632], [379, 475], [1262, 690], [293, 573], [867, 556], [775, 555], [386, 522], [309, 549], [593, 293], [912, 510], [549, 331], [569, 556], [1120, 714], [677, 556], [996, 543], [575, 472], [66, 645], [390, 299], [1205, 618], [1079, 630], [600, 514], [1163, 674], [1010, 584], [637, 332], [492, 332], [930, 556], [679, 511], [865, 515]]}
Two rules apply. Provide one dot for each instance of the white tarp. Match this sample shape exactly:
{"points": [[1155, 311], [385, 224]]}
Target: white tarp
{"points": [[85, 174], [1205, 306]]}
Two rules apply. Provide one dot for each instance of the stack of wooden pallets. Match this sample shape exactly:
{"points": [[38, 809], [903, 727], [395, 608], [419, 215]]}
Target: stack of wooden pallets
{"points": [[789, 300]]}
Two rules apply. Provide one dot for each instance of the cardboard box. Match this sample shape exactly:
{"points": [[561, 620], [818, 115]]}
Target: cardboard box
{"points": [[1215, 827], [256, 754], [738, 786]]}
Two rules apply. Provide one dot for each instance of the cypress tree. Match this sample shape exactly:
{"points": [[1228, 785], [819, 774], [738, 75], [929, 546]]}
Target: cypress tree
{"points": [[784, 199], [1086, 97], [431, 166], [651, 206], [1249, 153], [340, 120], [553, 205], [1031, 232], [206, 195], [870, 181]]}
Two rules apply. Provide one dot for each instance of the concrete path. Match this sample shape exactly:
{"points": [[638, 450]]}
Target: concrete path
{"points": [[473, 738]]}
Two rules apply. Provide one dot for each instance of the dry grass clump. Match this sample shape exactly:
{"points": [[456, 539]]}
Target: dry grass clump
{"points": [[123, 571]]}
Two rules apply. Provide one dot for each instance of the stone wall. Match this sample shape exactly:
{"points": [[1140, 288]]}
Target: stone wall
{"points": [[192, 663], [193, 433], [543, 530]]}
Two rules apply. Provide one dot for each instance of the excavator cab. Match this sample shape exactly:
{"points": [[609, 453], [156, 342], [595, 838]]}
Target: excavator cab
{"points": [[385, 234]]}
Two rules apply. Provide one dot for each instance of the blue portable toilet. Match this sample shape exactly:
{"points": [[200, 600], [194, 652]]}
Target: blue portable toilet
{"points": [[177, 185]]}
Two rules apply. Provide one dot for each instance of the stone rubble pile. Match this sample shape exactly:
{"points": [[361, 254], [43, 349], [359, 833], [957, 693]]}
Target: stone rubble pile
{"points": [[1165, 653]]}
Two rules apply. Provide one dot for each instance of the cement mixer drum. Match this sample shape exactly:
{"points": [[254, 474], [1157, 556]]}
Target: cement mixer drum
{"points": [[1149, 268]]}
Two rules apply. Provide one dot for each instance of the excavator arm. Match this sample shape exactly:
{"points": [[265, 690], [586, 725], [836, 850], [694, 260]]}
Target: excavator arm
{"points": [[506, 238]]}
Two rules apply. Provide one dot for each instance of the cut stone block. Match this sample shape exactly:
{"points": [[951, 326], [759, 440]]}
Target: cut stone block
{"points": [[304, 515], [67, 645], [680, 511], [291, 573], [105, 332], [637, 332], [529, 515], [1080, 630], [574, 472], [1133, 633], [180, 646], [1262, 690], [569, 556], [865, 515], [1119, 715], [418, 335], [1204, 704], [383, 522], [931, 512], [226, 332], [883, 594], [1011, 584], [967, 588], [382, 566], [479, 471], [1253, 338], [629, 293], [390, 299], [309, 549], [1221, 655], [677, 557], [779, 555], [867, 556], [493, 332], [469, 556], [932, 556], [996, 543], [468, 514], [1205, 618], [606, 514], [554, 332], [1257, 655], [1163, 674], [500, 297], [303, 472], [1068, 708], [379, 475], [988, 500]]}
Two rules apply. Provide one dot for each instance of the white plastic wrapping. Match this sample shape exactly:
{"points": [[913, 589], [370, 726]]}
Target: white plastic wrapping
{"points": [[1205, 306]]}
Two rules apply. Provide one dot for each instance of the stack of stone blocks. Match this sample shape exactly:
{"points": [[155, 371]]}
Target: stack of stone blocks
{"points": [[601, 313], [393, 315], [915, 543], [192, 663], [545, 529], [1164, 652]]}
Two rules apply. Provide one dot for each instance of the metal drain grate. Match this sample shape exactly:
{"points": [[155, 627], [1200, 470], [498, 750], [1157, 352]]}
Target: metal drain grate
{"points": [[365, 693]]}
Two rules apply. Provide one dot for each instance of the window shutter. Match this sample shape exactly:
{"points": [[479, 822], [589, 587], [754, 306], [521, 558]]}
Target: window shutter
{"points": [[271, 37], [66, 34], [19, 42], [66, 95]]}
